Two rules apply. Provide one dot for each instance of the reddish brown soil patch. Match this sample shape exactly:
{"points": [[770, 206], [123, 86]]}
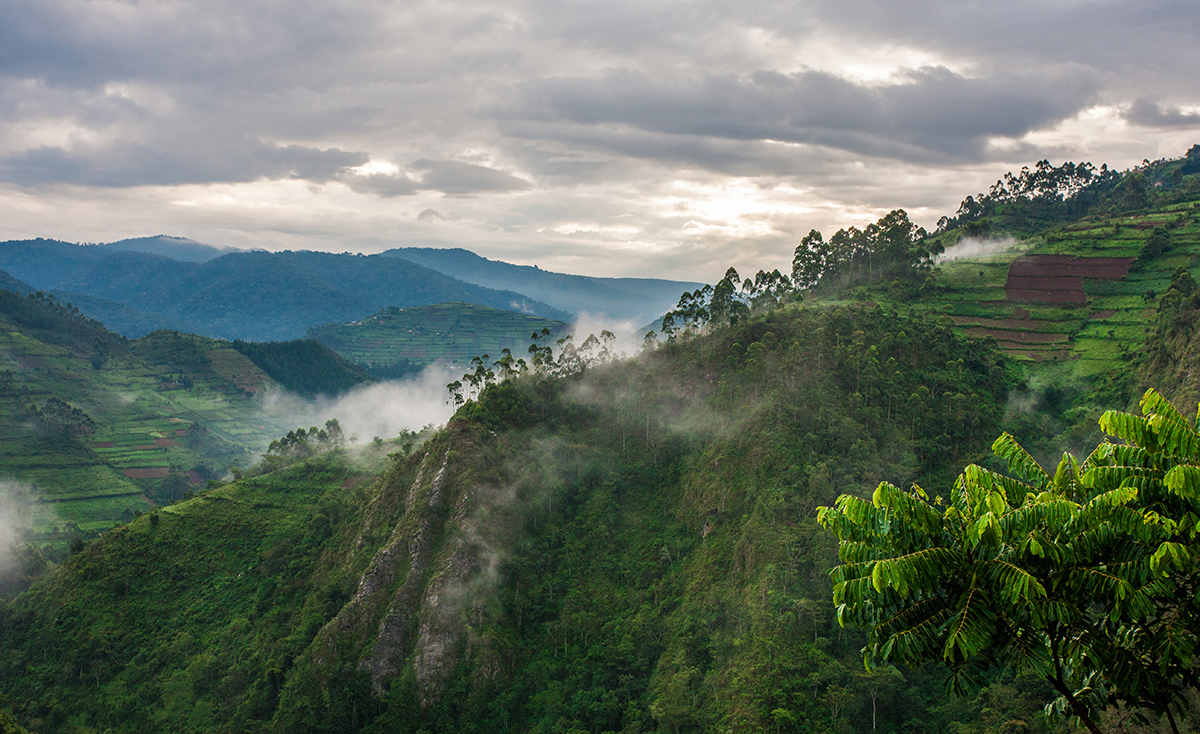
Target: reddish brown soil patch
{"points": [[1103, 314], [165, 443], [1057, 266], [1059, 278], [104, 444], [144, 447], [181, 431], [154, 472], [27, 362], [1021, 313], [194, 476]]}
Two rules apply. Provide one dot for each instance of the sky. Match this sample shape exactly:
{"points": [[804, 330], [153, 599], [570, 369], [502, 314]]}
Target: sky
{"points": [[606, 137]]}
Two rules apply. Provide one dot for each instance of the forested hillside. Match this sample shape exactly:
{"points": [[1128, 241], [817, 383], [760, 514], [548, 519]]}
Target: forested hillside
{"points": [[640, 300], [625, 548], [96, 428], [258, 296]]}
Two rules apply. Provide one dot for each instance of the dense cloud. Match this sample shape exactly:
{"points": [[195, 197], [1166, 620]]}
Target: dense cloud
{"points": [[927, 113], [608, 136], [1149, 113]]}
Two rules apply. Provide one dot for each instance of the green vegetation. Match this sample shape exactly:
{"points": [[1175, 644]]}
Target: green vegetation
{"points": [[629, 546], [258, 296], [399, 340], [101, 428], [1086, 578], [304, 366]]}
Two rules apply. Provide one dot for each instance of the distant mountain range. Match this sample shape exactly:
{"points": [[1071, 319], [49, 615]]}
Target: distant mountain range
{"points": [[135, 286], [257, 296], [639, 300]]}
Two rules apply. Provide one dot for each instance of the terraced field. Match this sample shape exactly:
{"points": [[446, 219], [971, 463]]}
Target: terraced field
{"points": [[1077, 294], [421, 335], [154, 421]]}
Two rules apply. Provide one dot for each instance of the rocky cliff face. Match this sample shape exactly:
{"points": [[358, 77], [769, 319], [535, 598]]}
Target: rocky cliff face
{"points": [[446, 515]]}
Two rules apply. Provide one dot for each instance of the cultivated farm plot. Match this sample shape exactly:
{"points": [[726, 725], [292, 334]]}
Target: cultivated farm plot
{"points": [[1110, 316], [142, 415]]}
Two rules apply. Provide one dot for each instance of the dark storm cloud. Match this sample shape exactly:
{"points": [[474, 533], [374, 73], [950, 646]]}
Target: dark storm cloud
{"points": [[931, 114], [87, 44], [1148, 113]]}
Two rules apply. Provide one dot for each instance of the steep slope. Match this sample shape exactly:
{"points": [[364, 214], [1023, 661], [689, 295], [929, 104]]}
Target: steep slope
{"points": [[628, 548], [640, 300]]}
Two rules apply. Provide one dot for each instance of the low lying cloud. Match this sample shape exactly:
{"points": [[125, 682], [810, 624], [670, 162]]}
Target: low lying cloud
{"points": [[977, 247], [16, 516], [382, 409]]}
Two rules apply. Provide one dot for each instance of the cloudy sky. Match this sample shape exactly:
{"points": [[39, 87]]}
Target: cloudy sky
{"points": [[607, 137]]}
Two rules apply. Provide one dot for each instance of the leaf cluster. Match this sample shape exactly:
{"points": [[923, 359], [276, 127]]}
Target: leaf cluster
{"points": [[1085, 576]]}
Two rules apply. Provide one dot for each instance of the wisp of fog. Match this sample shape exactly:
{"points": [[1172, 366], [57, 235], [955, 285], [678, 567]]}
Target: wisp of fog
{"points": [[382, 409], [977, 247], [16, 505]]}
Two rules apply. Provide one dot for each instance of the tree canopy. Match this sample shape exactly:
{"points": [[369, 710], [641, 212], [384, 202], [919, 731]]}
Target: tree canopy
{"points": [[1085, 575]]}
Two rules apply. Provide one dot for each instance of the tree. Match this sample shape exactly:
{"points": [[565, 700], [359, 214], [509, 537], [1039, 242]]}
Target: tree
{"points": [[1085, 576], [809, 260]]}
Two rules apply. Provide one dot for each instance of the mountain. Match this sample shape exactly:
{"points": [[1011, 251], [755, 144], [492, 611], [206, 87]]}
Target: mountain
{"points": [[628, 548], [258, 296], [639, 300], [413, 337], [176, 248], [9, 283]]}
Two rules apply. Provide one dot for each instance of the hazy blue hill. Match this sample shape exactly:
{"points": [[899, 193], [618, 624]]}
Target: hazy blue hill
{"points": [[119, 317], [258, 296], [9, 283], [636, 299], [176, 248]]}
